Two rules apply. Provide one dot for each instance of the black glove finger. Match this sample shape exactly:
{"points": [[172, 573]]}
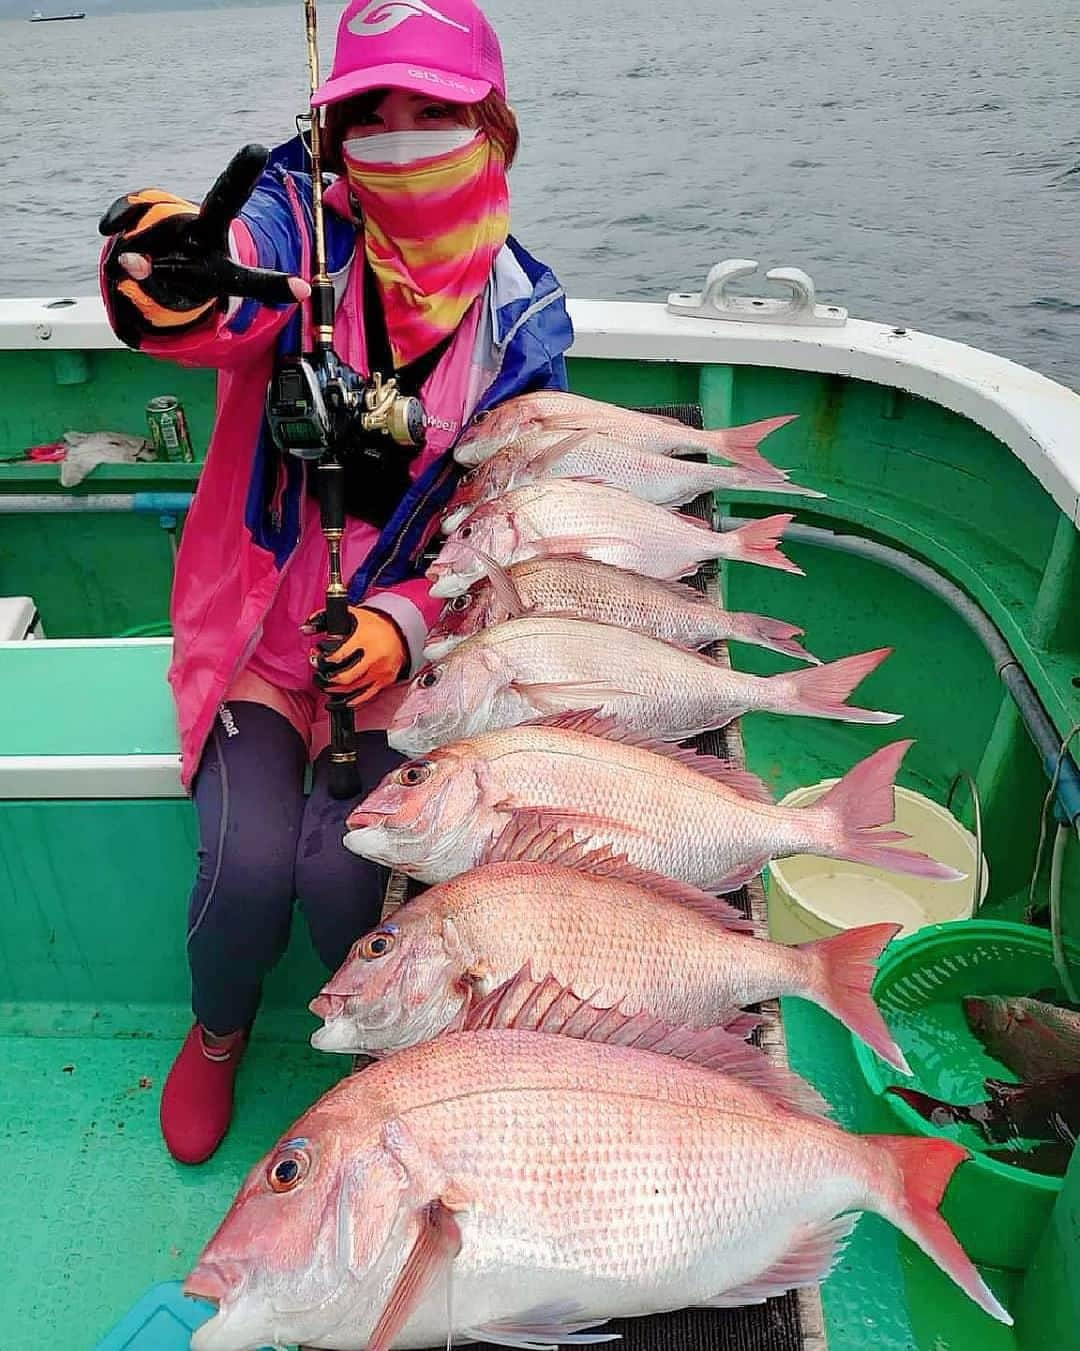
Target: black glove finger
{"points": [[253, 283], [182, 283], [328, 646], [326, 667], [122, 215], [234, 185]]}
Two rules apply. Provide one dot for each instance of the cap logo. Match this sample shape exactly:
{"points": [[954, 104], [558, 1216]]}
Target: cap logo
{"points": [[380, 16]]}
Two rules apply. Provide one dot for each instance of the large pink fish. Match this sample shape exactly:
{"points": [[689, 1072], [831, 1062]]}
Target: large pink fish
{"points": [[601, 927], [565, 516], [539, 664], [691, 817], [585, 589], [662, 479], [517, 1185], [553, 412]]}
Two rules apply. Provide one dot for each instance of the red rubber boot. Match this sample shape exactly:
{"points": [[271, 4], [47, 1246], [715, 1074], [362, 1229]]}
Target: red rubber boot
{"points": [[196, 1102]]}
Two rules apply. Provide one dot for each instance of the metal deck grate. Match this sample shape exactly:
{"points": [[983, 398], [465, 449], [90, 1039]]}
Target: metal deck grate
{"points": [[792, 1322]]}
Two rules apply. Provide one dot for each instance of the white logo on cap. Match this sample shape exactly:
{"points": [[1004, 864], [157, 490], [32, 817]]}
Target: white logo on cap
{"points": [[380, 16]]}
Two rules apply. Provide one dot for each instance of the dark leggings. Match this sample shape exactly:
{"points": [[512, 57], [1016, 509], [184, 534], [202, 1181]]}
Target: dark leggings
{"points": [[262, 844]]}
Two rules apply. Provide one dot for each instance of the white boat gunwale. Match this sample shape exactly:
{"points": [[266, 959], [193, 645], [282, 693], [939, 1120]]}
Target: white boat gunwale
{"points": [[1037, 418]]}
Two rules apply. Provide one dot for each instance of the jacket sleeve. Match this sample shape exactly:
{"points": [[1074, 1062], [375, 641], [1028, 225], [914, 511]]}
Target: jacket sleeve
{"points": [[413, 609], [265, 234]]}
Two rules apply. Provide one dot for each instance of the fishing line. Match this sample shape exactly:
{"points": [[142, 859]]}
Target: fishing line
{"points": [[1060, 961]]}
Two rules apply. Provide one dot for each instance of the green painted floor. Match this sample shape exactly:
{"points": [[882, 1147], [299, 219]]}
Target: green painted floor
{"points": [[94, 1211]]}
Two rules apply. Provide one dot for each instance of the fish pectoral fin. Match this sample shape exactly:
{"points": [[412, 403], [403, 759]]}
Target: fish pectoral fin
{"points": [[502, 583], [813, 1256], [429, 1182], [542, 460], [545, 1326], [437, 1243], [539, 818], [558, 546], [555, 696]]}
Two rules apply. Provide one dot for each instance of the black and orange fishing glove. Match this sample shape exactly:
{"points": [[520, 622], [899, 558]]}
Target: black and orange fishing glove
{"points": [[190, 272], [371, 656]]}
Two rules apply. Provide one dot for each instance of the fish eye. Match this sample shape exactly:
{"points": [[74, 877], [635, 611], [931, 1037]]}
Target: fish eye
{"points": [[427, 678], [417, 771], [465, 532], [377, 944], [288, 1169], [460, 603], [481, 418]]}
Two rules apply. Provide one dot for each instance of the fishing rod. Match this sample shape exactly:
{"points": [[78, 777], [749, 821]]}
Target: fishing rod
{"points": [[319, 410]]}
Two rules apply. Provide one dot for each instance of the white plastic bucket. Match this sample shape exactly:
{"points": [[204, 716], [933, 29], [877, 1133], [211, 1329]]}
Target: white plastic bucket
{"points": [[811, 897]]}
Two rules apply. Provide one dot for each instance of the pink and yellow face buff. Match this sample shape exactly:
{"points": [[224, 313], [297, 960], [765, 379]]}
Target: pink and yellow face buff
{"points": [[433, 223]]}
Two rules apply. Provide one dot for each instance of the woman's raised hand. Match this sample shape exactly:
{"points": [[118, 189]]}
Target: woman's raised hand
{"points": [[169, 266]]}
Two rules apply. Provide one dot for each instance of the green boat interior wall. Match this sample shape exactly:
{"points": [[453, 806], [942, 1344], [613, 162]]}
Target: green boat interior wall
{"points": [[92, 954]]}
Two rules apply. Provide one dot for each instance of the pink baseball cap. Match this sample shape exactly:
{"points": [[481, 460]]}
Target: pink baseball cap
{"points": [[445, 48]]}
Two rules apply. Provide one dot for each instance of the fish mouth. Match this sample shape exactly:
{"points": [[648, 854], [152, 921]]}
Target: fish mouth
{"points": [[445, 585], [448, 584], [437, 646], [213, 1282], [362, 817], [454, 518], [327, 1005]]}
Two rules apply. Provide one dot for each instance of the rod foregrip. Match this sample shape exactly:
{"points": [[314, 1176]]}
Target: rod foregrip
{"points": [[322, 312], [337, 615]]}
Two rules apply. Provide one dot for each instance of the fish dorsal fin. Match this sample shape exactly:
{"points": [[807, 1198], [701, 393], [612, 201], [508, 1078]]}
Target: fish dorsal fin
{"points": [[530, 838], [527, 1005], [592, 722], [502, 584]]}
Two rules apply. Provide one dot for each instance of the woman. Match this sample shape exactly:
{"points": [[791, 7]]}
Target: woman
{"points": [[426, 277]]}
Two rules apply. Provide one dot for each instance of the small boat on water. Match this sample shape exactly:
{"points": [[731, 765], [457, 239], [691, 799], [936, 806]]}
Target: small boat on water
{"points": [[38, 17], [948, 530]]}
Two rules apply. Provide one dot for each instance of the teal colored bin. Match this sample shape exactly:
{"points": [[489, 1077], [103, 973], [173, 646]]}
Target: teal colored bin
{"points": [[163, 1320]]}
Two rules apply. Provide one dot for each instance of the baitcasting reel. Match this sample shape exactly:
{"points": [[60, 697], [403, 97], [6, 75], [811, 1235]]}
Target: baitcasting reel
{"points": [[315, 407]]}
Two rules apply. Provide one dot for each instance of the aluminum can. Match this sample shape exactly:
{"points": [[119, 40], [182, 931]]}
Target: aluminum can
{"points": [[168, 429]]}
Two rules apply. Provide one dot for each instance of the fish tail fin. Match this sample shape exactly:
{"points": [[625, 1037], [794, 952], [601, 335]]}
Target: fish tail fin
{"points": [[740, 444], [845, 967], [774, 634], [852, 809], [821, 691], [756, 542], [922, 1169]]}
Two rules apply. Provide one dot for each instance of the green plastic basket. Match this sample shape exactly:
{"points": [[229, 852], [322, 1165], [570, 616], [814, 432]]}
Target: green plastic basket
{"points": [[997, 1211]]}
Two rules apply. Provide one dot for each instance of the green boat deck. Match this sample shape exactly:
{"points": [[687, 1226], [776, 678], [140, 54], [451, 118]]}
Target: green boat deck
{"points": [[93, 998]]}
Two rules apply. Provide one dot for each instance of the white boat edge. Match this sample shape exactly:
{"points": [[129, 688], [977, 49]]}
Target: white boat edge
{"points": [[1037, 418]]}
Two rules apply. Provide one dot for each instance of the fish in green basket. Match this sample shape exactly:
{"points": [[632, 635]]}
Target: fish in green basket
{"points": [[1012, 1113], [1033, 1039]]}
